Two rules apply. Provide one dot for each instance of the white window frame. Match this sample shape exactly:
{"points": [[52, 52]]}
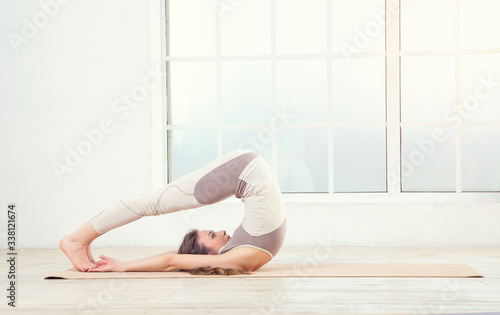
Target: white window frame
{"points": [[161, 130]]}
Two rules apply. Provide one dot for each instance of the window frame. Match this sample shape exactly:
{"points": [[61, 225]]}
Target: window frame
{"points": [[162, 127]]}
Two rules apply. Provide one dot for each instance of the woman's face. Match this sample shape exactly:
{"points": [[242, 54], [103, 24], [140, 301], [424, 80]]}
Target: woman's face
{"points": [[213, 240]]}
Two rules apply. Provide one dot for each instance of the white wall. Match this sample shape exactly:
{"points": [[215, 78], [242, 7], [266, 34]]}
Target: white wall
{"points": [[62, 80], [67, 76]]}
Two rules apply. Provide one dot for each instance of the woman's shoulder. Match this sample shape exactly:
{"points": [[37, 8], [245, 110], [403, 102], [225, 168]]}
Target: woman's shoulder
{"points": [[248, 257]]}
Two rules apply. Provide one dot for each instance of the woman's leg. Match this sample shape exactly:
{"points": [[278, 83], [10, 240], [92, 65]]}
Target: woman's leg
{"points": [[174, 197], [212, 183]]}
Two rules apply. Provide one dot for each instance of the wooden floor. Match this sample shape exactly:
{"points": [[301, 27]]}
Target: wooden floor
{"points": [[262, 296]]}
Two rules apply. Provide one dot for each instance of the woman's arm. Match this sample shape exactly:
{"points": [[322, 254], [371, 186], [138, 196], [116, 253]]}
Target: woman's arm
{"points": [[162, 262], [155, 263], [244, 258]]}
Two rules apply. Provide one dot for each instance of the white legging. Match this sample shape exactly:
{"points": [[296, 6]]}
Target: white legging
{"points": [[215, 182]]}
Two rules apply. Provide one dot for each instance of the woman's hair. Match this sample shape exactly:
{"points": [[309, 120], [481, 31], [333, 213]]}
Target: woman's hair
{"points": [[190, 245], [217, 271]]}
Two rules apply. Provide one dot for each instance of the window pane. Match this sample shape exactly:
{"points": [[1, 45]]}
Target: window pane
{"points": [[192, 28], [259, 141], [427, 88], [428, 159], [300, 26], [359, 90], [359, 159], [358, 26], [480, 158], [301, 90], [479, 24], [246, 92], [193, 92], [480, 87], [240, 35], [302, 160], [191, 150], [427, 25]]}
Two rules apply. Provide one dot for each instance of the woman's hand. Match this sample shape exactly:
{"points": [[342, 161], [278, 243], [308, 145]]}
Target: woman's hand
{"points": [[106, 264]]}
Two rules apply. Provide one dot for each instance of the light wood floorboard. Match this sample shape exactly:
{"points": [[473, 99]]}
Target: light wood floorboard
{"points": [[261, 296]]}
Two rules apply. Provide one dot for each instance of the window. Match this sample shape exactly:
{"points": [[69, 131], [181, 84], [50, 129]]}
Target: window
{"points": [[338, 96], [450, 96]]}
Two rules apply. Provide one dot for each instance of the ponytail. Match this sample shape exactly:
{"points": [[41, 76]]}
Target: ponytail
{"points": [[208, 271]]}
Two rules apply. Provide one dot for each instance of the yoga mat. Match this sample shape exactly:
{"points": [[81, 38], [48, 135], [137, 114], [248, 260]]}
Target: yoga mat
{"points": [[292, 270]]}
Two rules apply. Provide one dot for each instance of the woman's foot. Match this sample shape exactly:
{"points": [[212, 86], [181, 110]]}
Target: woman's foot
{"points": [[77, 246], [77, 253], [89, 255]]}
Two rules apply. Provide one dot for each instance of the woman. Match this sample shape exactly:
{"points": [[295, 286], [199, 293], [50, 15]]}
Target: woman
{"points": [[260, 236]]}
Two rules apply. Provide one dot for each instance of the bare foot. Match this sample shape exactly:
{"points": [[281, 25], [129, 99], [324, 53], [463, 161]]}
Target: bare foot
{"points": [[89, 254], [76, 252]]}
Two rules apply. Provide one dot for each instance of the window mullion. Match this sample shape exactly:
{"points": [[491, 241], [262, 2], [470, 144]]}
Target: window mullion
{"points": [[458, 101], [273, 88], [393, 98], [218, 93], [330, 95], [159, 103]]}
